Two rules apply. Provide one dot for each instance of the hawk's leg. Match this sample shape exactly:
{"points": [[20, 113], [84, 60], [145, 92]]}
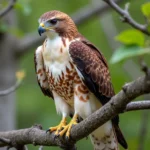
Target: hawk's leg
{"points": [[62, 108], [58, 128], [67, 128]]}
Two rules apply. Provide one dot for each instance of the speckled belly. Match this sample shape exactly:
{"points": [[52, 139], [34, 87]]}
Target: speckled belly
{"points": [[63, 85]]}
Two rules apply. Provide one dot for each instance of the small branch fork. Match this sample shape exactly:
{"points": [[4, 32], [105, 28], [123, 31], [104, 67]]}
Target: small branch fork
{"points": [[117, 104], [8, 8], [126, 17]]}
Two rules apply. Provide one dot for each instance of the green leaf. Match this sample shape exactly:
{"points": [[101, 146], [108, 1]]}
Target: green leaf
{"points": [[146, 9], [131, 37], [126, 52], [24, 7]]}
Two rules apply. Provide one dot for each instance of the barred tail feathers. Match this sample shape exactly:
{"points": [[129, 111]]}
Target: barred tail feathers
{"points": [[104, 138]]}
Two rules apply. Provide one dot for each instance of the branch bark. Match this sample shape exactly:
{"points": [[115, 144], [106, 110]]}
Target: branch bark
{"points": [[140, 105], [8, 8], [127, 17], [116, 105]]}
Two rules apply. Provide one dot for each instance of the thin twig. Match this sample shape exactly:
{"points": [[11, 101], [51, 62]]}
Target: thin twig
{"points": [[8, 8], [144, 66], [86, 13], [127, 17], [11, 89]]}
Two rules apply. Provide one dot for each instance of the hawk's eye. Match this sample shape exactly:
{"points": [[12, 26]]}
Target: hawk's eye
{"points": [[53, 21]]}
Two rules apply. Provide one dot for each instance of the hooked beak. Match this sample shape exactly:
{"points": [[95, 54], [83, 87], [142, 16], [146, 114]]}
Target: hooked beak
{"points": [[41, 29]]}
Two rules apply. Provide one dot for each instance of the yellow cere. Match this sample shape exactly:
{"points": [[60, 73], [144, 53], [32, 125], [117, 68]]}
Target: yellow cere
{"points": [[42, 24]]}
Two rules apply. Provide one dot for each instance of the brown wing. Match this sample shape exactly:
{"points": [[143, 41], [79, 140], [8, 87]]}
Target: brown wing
{"points": [[95, 74], [40, 71], [93, 67]]}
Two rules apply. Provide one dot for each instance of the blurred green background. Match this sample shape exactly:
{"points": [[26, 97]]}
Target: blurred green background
{"points": [[33, 107]]}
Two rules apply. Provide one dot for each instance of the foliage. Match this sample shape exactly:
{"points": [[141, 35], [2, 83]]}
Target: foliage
{"points": [[126, 52], [146, 9], [134, 43], [24, 6], [130, 37]]}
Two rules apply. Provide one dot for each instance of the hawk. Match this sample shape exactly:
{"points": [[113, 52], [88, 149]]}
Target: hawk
{"points": [[73, 72]]}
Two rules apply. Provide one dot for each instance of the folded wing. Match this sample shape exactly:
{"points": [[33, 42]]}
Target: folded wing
{"points": [[93, 70], [40, 72], [91, 65]]}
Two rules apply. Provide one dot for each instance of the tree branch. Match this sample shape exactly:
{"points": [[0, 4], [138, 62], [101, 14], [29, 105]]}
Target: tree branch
{"points": [[140, 105], [127, 17], [116, 105], [11, 89], [8, 8], [32, 40], [86, 13]]}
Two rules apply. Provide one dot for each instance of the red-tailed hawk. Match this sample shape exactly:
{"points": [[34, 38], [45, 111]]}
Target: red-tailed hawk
{"points": [[73, 72]]}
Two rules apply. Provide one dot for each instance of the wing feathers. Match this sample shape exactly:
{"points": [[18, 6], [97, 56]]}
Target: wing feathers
{"points": [[94, 69], [40, 71]]}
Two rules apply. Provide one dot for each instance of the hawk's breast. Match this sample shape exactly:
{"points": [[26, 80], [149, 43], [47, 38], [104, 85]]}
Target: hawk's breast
{"points": [[60, 71]]}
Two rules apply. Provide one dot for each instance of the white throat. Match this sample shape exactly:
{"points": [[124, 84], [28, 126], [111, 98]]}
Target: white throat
{"points": [[51, 34], [55, 54]]}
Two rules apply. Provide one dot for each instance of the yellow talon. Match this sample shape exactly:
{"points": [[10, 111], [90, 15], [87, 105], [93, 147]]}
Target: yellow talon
{"points": [[59, 127], [62, 128], [67, 128]]}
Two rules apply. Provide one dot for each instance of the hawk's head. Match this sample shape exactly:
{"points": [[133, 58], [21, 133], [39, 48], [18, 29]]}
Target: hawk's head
{"points": [[56, 22]]}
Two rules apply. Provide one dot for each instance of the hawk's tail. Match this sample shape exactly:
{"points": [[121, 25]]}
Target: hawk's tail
{"points": [[104, 138], [120, 136]]}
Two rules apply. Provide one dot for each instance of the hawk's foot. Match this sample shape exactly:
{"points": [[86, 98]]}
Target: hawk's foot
{"points": [[58, 128], [67, 128]]}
